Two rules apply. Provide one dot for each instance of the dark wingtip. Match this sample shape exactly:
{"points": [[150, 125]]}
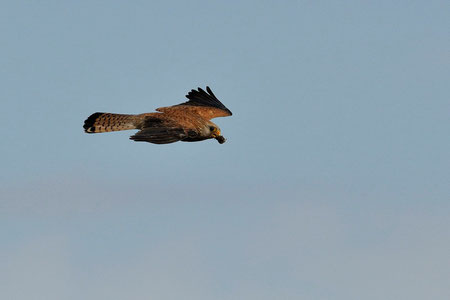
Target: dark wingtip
{"points": [[208, 89], [89, 123], [201, 98]]}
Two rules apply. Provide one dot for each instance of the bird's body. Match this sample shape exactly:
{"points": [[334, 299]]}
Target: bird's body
{"points": [[187, 122]]}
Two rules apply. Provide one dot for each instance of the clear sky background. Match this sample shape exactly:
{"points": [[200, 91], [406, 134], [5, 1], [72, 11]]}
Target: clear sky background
{"points": [[334, 182]]}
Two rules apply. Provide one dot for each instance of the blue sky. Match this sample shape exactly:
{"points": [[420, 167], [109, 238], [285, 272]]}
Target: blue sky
{"points": [[334, 182]]}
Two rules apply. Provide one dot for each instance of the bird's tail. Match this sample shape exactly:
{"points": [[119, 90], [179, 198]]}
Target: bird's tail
{"points": [[106, 122]]}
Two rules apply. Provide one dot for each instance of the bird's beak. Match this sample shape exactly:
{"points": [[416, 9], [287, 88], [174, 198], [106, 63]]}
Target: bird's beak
{"points": [[216, 133]]}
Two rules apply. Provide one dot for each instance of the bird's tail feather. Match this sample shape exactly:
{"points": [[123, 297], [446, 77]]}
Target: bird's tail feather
{"points": [[106, 122]]}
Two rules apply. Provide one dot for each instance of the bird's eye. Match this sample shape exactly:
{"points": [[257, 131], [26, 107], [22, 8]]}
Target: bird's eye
{"points": [[212, 128]]}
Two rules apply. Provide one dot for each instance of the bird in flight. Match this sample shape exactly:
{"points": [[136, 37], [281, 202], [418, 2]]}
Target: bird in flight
{"points": [[186, 122]]}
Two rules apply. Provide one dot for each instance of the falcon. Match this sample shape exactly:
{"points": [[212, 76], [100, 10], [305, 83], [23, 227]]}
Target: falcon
{"points": [[186, 122]]}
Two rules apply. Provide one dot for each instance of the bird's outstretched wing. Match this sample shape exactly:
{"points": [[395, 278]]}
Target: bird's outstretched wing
{"points": [[162, 131], [201, 103]]}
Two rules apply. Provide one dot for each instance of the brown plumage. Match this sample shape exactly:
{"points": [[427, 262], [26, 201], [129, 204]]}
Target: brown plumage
{"points": [[187, 122]]}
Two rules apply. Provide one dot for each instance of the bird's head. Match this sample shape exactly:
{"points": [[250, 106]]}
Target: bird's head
{"points": [[214, 132]]}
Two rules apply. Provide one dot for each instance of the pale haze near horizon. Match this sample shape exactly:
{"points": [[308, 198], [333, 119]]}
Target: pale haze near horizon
{"points": [[334, 182]]}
